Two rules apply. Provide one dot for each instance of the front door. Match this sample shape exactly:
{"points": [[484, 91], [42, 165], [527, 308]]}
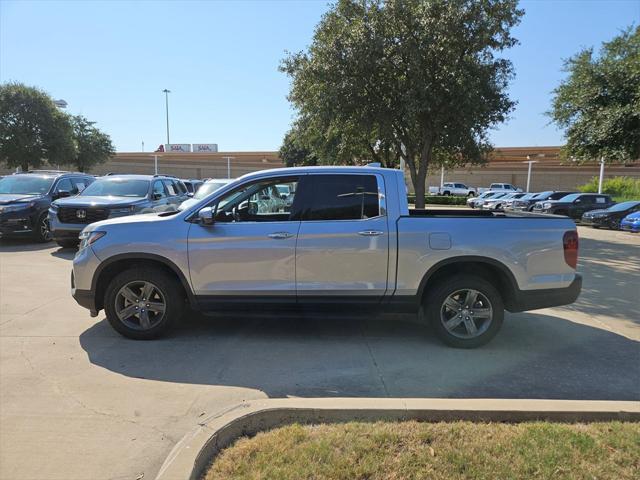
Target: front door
{"points": [[343, 241], [250, 249]]}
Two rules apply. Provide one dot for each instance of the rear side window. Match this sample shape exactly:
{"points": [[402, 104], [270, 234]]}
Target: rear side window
{"points": [[171, 188], [158, 189], [341, 197]]}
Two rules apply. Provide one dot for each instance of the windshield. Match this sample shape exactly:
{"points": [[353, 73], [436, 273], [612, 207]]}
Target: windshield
{"points": [[208, 188], [570, 198], [117, 187], [621, 207], [26, 184]]}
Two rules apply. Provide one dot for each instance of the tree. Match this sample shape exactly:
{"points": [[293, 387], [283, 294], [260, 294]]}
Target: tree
{"points": [[32, 129], [417, 79], [598, 104], [294, 150], [92, 145]]}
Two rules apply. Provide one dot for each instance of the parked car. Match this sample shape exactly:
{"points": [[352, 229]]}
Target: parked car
{"points": [[631, 222], [192, 185], [496, 196], [504, 186], [574, 205], [349, 240], [502, 202], [451, 188], [527, 202], [474, 201], [25, 199], [207, 188], [109, 197], [612, 216]]}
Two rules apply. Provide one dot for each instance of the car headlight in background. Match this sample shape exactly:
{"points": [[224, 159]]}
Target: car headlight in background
{"points": [[546, 205], [116, 212], [89, 238], [16, 207]]}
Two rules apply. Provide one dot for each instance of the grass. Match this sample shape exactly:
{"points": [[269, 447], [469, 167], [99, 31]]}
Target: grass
{"points": [[413, 450]]}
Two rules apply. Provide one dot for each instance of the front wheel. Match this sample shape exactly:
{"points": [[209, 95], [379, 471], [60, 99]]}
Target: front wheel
{"points": [[614, 224], [143, 303], [466, 311], [42, 231]]}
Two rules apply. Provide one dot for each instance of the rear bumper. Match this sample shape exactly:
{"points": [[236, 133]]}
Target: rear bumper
{"points": [[554, 297]]}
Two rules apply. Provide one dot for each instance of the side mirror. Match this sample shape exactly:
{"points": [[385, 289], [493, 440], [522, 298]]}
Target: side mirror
{"points": [[156, 196], [577, 200], [63, 194], [189, 194], [205, 216]]}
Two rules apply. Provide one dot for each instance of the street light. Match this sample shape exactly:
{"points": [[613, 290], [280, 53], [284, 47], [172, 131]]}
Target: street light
{"points": [[601, 174], [531, 162], [166, 104], [228, 165]]}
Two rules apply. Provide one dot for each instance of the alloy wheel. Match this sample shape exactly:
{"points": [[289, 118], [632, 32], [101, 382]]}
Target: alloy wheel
{"points": [[140, 305], [466, 313], [45, 231]]}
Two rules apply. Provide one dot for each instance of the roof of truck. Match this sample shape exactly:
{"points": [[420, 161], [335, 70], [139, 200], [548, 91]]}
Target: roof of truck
{"points": [[324, 169]]}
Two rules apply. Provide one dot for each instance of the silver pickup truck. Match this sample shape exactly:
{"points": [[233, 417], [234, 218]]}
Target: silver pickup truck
{"points": [[344, 239]]}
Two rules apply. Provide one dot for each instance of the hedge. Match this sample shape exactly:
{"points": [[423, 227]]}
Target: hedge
{"points": [[440, 200]]}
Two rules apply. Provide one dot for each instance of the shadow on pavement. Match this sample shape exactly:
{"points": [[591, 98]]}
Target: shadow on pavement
{"points": [[23, 245], [534, 356], [611, 279]]}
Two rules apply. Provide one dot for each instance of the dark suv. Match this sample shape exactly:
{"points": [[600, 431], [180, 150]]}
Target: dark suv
{"points": [[113, 196], [574, 205], [527, 202], [25, 199]]}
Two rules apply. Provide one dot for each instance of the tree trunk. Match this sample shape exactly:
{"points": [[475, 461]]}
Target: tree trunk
{"points": [[421, 174], [24, 166]]}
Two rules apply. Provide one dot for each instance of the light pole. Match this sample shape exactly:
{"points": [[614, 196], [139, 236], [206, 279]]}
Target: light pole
{"points": [[531, 162], [601, 174], [166, 104], [228, 165]]}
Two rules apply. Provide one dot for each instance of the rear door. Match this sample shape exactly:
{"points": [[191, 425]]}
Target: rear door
{"points": [[343, 241]]}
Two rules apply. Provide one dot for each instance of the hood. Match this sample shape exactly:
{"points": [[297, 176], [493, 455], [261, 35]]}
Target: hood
{"points": [[89, 201], [139, 218], [6, 198]]}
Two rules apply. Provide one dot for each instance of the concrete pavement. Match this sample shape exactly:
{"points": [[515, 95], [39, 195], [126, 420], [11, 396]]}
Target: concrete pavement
{"points": [[77, 401]]}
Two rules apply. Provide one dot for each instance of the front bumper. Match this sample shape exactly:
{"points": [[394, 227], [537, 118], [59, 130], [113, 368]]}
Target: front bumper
{"points": [[630, 227], [525, 300], [15, 224], [83, 291], [593, 222]]}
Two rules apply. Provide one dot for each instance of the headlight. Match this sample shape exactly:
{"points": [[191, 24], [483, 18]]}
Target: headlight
{"points": [[89, 238], [546, 205], [17, 207], [115, 212]]}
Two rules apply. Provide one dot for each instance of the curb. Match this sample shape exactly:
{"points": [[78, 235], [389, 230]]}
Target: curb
{"points": [[191, 455]]}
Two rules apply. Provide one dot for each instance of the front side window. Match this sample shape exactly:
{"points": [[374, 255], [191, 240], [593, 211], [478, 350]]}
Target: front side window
{"points": [[65, 185], [342, 197], [258, 202], [158, 190], [171, 188]]}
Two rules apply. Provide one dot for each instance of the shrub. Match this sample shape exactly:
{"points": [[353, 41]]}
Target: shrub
{"points": [[440, 200], [623, 188]]}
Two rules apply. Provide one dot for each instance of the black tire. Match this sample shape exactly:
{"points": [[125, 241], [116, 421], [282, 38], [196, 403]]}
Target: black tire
{"points": [[446, 194], [614, 224], [471, 194], [167, 286], [68, 243], [434, 305], [41, 232]]}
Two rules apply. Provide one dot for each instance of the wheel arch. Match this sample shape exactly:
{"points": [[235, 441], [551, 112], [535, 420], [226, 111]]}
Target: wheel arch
{"points": [[491, 270], [112, 266]]}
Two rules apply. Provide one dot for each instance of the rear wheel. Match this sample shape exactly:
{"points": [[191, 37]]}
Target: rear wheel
{"points": [[446, 194], [466, 311], [143, 303], [471, 194]]}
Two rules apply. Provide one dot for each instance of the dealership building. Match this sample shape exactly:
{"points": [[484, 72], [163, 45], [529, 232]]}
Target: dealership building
{"points": [[506, 164]]}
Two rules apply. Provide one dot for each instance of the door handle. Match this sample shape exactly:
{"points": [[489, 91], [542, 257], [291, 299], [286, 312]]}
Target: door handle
{"points": [[280, 235], [370, 233]]}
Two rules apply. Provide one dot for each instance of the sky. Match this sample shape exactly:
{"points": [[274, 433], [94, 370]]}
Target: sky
{"points": [[111, 60]]}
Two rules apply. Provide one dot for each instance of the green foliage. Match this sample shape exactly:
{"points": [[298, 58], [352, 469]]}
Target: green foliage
{"points": [[294, 150], [92, 145], [417, 79], [622, 188], [440, 199], [598, 104], [32, 129]]}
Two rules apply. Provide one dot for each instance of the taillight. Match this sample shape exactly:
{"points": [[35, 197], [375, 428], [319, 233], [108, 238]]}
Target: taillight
{"points": [[570, 245]]}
